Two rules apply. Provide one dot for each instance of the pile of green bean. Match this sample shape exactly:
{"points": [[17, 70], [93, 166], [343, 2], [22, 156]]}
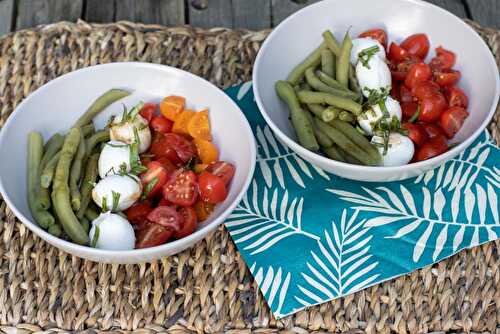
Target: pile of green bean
{"points": [[324, 99], [62, 172]]}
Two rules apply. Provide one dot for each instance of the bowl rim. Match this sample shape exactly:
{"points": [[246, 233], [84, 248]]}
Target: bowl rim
{"points": [[182, 243], [360, 168]]}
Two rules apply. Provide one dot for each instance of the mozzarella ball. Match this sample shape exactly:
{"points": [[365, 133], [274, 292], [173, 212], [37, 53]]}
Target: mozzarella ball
{"points": [[400, 149], [115, 232], [368, 118], [360, 44], [127, 186], [376, 77], [125, 132], [114, 155]]}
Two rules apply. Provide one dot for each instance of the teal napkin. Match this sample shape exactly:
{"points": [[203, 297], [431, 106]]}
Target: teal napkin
{"points": [[309, 236]]}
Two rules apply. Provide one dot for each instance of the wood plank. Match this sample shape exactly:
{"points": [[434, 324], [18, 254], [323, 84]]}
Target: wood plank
{"points": [[281, 9], [253, 15], [485, 12], [100, 11], [213, 13], [34, 12], [6, 15], [454, 6], [166, 12]]}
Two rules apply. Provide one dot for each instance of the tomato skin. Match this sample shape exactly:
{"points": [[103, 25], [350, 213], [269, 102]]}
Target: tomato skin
{"points": [[222, 169], [405, 94], [395, 91], [431, 107], [181, 188], [417, 74], [203, 210], [397, 53], [166, 216], [161, 124], [451, 120], [155, 171], [432, 130], [148, 111], [432, 148], [161, 148], [399, 70], [212, 188], [444, 60], [152, 235], [417, 45], [409, 109], [167, 164], [138, 211], [456, 97], [376, 34], [416, 133], [425, 89], [189, 222], [448, 78], [184, 148]]}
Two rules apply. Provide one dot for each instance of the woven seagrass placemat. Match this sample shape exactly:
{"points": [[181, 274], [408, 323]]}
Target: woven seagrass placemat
{"points": [[207, 288]]}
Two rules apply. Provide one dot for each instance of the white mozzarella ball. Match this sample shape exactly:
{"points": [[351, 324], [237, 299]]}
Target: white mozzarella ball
{"points": [[125, 132], [115, 232], [400, 149], [360, 44], [374, 77], [368, 118], [114, 155], [127, 186]]}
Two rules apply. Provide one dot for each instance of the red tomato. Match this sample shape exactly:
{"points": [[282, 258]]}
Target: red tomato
{"points": [[166, 216], [181, 188], [189, 222], [451, 120], [164, 202], [138, 211], [212, 188], [444, 60], [156, 173], [449, 78], [400, 70], [397, 53], [424, 89], [417, 74], [432, 148], [431, 107], [376, 34], [416, 133], [456, 97], [409, 109], [184, 148], [417, 45], [161, 148], [161, 124], [152, 235], [395, 91], [148, 111], [432, 130], [222, 169], [405, 94], [167, 164]]}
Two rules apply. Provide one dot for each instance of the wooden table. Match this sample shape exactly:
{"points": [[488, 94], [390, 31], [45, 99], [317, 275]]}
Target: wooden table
{"points": [[250, 14]]}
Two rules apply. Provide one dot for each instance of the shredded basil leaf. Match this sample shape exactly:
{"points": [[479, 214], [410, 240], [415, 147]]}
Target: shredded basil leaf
{"points": [[149, 187], [414, 117], [366, 54], [95, 238], [116, 199], [104, 206]]}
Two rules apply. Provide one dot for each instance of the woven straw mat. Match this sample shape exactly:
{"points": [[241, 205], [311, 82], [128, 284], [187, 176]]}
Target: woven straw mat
{"points": [[207, 288]]}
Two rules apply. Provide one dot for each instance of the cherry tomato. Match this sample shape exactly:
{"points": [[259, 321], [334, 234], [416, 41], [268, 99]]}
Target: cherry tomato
{"points": [[417, 74], [444, 60], [431, 107], [400, 70], [432, 148], [397, 53], [417, 45], [161, 124], [161, 148], [166, 216], [376, 34], [432, 130], [166, 163], [152, 235], [148, 111], [189, 222], [154, 178], [424, 89], [405, 94], [138, 211], [181, 188], [409, 109], [449, 78], [164, 202], [395, 91], [222, 169], [451, 120], [203, 210], [416, 133], [456, 97], [212, 188], [184, 148]]}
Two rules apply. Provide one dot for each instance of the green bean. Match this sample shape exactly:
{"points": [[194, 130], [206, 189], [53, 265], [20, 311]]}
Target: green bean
{"points": [[52, 146], [48, 171], [346, 116], [323, 140], [312, 60], [348, 158], [325, 98], [35, 148], [85, 224], [328, 62], [44, 198], [354, 84], [89, 179], [75, 174], [343, 59], [330, 81], [319, 85], [333, 153], [55, 230], [331, 42], [345, 143], [300, 122], [99, 105], [350, 132], [325, 114], [88, 129], [96, 138], [91, 214], [60, 189]]}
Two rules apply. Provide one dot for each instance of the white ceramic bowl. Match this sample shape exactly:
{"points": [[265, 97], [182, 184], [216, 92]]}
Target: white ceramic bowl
{"points": [[56, 106], [301, 33]]}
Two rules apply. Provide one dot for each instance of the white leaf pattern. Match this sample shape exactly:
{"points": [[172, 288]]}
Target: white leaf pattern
{"points": [[272, 286]]}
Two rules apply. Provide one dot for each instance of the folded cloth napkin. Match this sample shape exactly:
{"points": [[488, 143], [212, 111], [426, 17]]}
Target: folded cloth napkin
{"points": [[309, 236]]}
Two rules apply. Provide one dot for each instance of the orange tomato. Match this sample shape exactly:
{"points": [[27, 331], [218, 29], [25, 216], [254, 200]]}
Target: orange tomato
{"points": [[199, 126], [172, 106], [181, 122], [198, 168], [207, 151], [203, 210]]}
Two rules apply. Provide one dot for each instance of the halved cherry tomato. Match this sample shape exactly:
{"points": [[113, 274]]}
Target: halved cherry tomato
{"points": [[409, 109], [405, 94], [397, 53], [432, 148], [424, 89], [181, 123], [199, 126], [451, 120], [431, 107], [137, 212], [148, 111], [203, 210], [172, 106], [212, 188], [207, 151], [448, 78], [456, 97], [154, 178], [432, 130], [161, 124], [160, 147], [222, 169], [444, 60], [416, 133], [184, 148], [152, 235], [166, 163], [166, 216], [181, 188], [400, 70], [189, 222], [164, 202], [377, 34], [417, 74], [417, 44]]}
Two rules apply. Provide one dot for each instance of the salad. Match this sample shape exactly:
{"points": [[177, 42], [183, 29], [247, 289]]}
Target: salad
{"points": [[145, 179], [363, 102]]}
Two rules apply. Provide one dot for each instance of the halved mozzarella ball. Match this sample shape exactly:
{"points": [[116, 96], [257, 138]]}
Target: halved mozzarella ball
{"points": [[127, 189], [400, 149], [124, 132], [374, 77], [114, 155], [369, 117], [115, 232], [360, 44]]}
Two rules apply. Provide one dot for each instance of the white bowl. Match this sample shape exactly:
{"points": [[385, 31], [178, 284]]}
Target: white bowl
{"points": [[56, 106], [301, 33]]}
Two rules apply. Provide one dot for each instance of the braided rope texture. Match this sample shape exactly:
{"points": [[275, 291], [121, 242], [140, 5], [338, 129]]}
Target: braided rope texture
{"points": [[207, 288]]}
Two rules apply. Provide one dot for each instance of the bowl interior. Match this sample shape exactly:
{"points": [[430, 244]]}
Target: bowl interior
{"points": [[55, 107]]}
